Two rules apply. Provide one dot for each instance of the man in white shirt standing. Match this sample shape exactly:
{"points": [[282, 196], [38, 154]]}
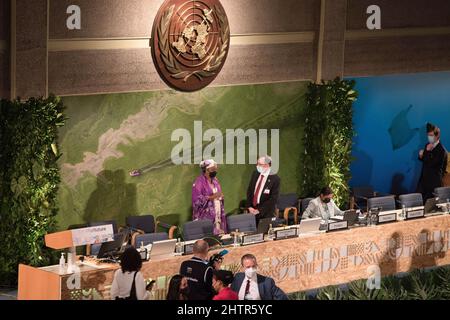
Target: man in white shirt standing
{"points": [[249, 285], [323, 206]]}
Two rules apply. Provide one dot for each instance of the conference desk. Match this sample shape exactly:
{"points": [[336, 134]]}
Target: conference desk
{"points": [[297, 264]]}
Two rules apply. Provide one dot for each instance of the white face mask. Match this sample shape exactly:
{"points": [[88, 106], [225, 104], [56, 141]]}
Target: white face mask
{"points": [[431, 139], [250, 272]]}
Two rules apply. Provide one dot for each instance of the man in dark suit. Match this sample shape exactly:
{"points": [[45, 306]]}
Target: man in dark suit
{"points": [[434, 159], [252, 286], [263, 190]]}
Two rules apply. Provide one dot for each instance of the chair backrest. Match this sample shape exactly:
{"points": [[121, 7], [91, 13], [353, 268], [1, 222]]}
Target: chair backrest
{"points": [[145, 223], [411, 200], [243, 222], [100, 223], [286, 200], [364, 191], [443, 193], [149, 238], [384, 203], [197, 229], [304, 204]]}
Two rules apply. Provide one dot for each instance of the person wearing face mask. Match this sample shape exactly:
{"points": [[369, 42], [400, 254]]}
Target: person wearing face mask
{"points": [[207, 197], [323, 206], [263, 190], [434, 163], [221, 284], [249, 285]]}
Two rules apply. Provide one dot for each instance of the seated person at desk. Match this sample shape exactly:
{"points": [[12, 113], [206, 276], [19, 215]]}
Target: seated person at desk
{"points": [[252, 286], [129, 283], [323, 206]]}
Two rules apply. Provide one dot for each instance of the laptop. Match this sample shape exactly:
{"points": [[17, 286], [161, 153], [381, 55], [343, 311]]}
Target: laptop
{"points": [[309, 225], [351, 216], [431, 205], [162, 248], [264, 225], [112, 248]]}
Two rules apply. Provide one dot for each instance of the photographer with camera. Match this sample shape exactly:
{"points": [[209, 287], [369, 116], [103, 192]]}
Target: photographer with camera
{"points": [[199, 271]]}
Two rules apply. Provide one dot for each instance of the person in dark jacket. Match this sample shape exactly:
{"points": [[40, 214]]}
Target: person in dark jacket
{"points": [[250, 285], [263, 190], [434, 163], [199, 273]]}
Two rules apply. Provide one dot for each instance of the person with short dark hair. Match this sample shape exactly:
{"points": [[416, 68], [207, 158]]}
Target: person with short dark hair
{"points": [[263, 190], [434, 163], [323, 206], [199, 273], [249, 285], [178, 288], [128, 282], [222, 279]]}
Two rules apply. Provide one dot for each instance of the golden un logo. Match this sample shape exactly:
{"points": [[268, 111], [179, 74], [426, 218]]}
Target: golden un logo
{"points": [[190, 42]]}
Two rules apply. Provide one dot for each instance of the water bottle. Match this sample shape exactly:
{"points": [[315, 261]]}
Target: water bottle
{"points": [[62, 264], [403, 217], [143, 251], [271, 232], [179, 247], [448, 206], [235, 239], [369, 217]]}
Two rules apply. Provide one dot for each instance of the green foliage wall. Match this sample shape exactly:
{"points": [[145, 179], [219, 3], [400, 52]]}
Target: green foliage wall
{"points": [[328, 139], [29, 180]]}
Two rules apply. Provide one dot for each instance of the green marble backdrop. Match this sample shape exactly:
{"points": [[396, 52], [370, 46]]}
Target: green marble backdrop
{"points": [[107, 136]]}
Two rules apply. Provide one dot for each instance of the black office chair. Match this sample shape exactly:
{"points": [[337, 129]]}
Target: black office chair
{"points": [[411, 200], [360, 195], [197, 229], [383, 203], [286, 204], [148, 238], [443, 193], [242, 222]]}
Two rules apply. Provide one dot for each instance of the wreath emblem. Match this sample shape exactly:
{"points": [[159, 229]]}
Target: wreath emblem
{"points": [[190, 43]]}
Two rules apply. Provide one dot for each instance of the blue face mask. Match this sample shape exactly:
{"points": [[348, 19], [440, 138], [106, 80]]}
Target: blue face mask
{"points": [[260, 169], [431, 139]]}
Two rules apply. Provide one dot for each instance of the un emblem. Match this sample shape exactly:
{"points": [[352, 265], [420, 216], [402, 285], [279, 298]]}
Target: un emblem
{"points": [[190, 42]]}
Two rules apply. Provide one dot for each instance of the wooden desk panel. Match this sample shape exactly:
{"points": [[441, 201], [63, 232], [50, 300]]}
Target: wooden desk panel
{"points": [[306, 262]]}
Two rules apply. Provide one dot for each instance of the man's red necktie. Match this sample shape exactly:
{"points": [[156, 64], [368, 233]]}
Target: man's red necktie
{"points": [[255, 196]]}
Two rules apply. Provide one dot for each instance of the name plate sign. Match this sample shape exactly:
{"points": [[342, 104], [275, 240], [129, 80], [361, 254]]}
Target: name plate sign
{"points": [[286, 233], [92, 235], [252, 238], [385, 218], [414, 214], [188, 248], [338, 225]]}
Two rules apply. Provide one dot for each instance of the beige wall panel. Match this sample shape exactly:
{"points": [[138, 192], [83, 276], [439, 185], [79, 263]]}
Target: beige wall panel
{"points": [[134, 18], [86, 72], [397, 55], [400, 13], [31, 55]]}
